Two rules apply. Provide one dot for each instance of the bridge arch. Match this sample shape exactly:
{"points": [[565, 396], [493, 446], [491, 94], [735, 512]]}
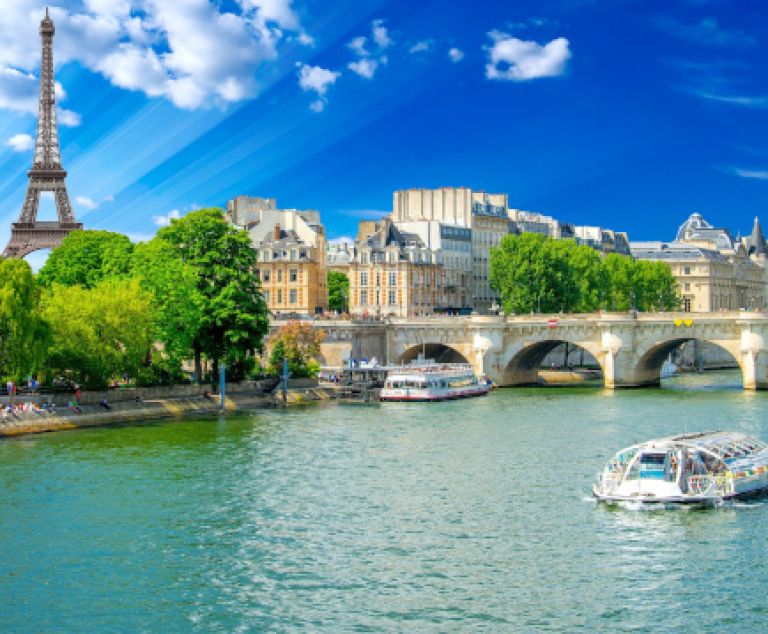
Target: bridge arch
{"points": [[647, 369], [523, 362], [438, 352]]}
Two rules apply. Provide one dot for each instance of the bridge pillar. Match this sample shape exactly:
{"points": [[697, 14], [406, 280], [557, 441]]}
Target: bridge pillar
{"points": [[753, 362]]}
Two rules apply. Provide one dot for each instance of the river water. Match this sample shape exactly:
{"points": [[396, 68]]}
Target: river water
{"points": [[469, 515]]}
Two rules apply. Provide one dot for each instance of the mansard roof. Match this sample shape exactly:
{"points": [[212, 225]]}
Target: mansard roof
{"points": [[697, 228]]}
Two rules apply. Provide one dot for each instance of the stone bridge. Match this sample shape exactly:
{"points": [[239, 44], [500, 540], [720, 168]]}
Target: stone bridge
{"points": [[630, 349]]}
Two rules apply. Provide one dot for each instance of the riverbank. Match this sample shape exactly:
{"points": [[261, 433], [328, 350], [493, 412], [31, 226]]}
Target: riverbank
{"points": [[147, 404], [125, 412]]}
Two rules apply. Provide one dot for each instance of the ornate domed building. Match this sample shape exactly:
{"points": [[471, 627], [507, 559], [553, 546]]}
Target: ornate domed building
{"points": [[714, 270]]}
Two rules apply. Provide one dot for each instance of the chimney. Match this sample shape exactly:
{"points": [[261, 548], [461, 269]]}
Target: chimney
{"points": [[277, 233]]}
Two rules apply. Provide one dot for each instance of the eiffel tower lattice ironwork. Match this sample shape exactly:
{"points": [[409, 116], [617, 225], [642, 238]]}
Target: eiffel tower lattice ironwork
{"points": [[47, 174]]}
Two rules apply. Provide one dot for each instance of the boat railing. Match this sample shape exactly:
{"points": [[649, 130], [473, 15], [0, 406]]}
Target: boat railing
{"points": [[703, 485], [607, 482]]}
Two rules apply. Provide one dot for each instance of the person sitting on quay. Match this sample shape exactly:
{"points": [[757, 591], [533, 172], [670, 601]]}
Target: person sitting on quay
{"points": [[105, 404], [73, 405]]}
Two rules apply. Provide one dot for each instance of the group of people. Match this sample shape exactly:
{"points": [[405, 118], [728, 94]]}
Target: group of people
{"points": [[17, 410], [32, 385]]}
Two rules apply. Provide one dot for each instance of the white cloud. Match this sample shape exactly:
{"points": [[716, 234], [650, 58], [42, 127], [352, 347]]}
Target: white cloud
{"points": [[370, 59], [21, 142], [364, 67], [520, 60], [68, 118], [192, 52], [86, 203], [420, 47], [164, 221], [456, 55], [316, 79], [380, 34], [358, 46]]}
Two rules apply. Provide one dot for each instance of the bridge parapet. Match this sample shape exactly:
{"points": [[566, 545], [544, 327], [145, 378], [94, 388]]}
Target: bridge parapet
{"points": [[630, 348]]}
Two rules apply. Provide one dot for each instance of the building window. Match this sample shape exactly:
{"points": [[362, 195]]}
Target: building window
{"points": [[279, 275], [392, 278], [279, 296], [392, 297], [687, 304], [686, 270], [293, 275], [293, 296], [687, 286], [363, 258], [391, 257], [378, 280], [265, 294], [265, 276], [363, 278], [363, 298]]}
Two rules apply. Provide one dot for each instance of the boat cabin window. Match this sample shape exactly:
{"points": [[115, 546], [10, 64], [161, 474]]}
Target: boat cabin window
{"points": [[652, 466]]}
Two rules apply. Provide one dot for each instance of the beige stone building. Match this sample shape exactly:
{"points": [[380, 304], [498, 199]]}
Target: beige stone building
{"points": [[485, 215], [291, 248], [713, 271], [393, 273], [452, 245]]}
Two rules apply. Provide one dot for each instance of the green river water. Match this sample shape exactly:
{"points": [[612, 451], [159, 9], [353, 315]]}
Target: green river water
{"points": [[464, 516]]}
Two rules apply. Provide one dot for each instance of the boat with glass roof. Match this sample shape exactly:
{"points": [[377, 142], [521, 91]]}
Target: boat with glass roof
{"points": [[433, 382], [698, 468]]}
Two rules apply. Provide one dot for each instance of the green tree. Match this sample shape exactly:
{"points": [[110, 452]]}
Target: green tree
{"points": [[176, 297], [98, 333], [298, 342], [24, 335], [234, 315], [338, 291], [84, 258], [622, 284], [658, 288], [534, 274], [590, 275]]}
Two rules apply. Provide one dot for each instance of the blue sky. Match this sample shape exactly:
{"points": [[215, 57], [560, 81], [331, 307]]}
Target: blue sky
{"points": [[621, 113]]}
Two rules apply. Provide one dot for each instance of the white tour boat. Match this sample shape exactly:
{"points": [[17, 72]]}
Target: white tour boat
{"points": [[432, 382], [695, 468]]}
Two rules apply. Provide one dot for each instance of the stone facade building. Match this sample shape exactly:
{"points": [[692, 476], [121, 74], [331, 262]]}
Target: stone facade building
{"points": [[713, 270], [485, 215], [452, 245], [393, 273], [291, 248]]}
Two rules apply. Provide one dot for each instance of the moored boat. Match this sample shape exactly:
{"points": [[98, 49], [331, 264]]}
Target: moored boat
{"points": [[698, 468], [433, 382]]}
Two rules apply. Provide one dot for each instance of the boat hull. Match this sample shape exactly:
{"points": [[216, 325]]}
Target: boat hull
{"points": [[681, 499], [426, 396]]}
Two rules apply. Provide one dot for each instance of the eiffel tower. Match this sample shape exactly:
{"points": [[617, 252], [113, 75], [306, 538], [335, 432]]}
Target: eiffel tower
{"points": [[47, 174]]}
